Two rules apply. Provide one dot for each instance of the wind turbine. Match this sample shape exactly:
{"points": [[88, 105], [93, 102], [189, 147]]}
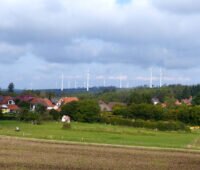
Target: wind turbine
{"points": [[127, 85], [120, 81], [62, 82], [88, 81]]}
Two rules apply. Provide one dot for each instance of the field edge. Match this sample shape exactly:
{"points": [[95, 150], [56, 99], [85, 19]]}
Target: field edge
{"points": [[151, 148]]}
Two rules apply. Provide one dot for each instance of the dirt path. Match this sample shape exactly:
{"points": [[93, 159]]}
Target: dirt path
{"points": [[27, 154]]}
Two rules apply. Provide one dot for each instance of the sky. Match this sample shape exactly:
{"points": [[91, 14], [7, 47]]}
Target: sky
{"points": [[41, 39]]}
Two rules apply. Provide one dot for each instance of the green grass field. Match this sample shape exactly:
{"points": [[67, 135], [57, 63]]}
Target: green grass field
{"points": [[100, 133]]}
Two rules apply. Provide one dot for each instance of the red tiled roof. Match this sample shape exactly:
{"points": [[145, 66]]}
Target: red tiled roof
{"points": [[13, 107], [44, 102], [48, 103], [66, 100], [25, 98], [5, 99]]}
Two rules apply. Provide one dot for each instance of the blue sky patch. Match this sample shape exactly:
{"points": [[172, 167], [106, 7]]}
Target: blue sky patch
{"points": [[123, 1]]}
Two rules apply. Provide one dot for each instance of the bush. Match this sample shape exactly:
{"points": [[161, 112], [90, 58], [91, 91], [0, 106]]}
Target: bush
{"points": [[55, 114], [8, 116], [66, 125], [145, 112], [46, 116], [25, 115]]}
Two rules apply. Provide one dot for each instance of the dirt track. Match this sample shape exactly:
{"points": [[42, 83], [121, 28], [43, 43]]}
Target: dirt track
{"points": [[25, 154]]}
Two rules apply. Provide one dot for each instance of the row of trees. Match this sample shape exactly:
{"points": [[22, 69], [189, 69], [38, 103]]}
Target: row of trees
{"points": [[189, 115], [137, 95]]}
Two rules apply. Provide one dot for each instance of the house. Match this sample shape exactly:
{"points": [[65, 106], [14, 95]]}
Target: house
{"points": [[178, 103], [8, 100], [24, 98], [104, 107], [4, 109], [113, 104], [40, 101], [64, 101], [7, 104], [188, 102], [164, 105]]}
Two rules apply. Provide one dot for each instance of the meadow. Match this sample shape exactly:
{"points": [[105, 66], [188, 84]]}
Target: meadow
{"points": [[102, 134]]}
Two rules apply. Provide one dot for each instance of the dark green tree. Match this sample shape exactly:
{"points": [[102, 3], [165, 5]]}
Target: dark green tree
{"points": [[196, 100], [11, 87], [70, 109], [83, 111], [55, 114]]}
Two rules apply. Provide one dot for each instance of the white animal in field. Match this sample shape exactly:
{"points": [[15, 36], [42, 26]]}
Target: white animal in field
{"points": [[65, 119]]}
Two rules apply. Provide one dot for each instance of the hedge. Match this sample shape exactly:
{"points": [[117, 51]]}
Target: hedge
{"points": [[159, 125]]}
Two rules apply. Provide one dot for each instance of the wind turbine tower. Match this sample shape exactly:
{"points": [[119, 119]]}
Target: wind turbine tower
{"points": [[62, 82], [88, 81], [120, 81], [127, 85]]}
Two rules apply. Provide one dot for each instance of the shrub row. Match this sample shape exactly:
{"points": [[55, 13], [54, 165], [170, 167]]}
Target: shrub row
{"points": [[186, 114], [159, 125]]}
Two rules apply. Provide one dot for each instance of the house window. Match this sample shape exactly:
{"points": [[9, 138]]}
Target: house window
{"points": [[10, 102]]}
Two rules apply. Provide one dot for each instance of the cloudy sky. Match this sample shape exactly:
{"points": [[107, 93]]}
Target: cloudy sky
{"points": [[41, 39]]}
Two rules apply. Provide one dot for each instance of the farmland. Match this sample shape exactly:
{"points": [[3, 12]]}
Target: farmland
{"points": [[27, 155], [102, 134]]}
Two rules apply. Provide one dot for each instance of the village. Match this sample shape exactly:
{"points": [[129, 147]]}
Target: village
{"points": [[8, 103]]}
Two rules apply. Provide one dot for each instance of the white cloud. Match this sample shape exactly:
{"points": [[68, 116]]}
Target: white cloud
{"points": [[103, 33]]}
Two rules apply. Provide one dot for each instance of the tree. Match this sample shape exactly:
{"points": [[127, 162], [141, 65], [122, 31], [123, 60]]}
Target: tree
{"points": [[196, 100], [11, 87], [55, 114], [89, 111], [70, 109], [83, 111], [40, 108]]}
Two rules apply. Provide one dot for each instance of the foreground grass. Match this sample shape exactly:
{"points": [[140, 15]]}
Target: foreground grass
{"points": [[99, 133]]}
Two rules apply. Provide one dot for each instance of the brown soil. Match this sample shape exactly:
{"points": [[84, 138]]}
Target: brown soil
{"points": [[27, 154]]}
